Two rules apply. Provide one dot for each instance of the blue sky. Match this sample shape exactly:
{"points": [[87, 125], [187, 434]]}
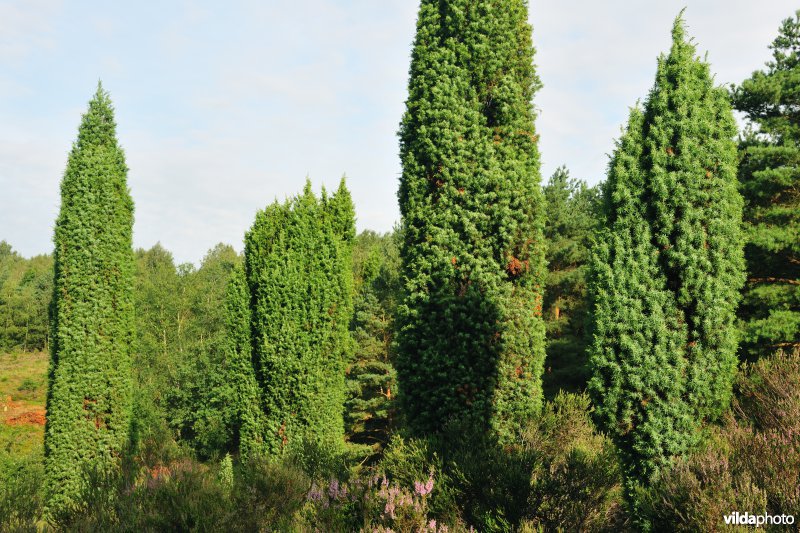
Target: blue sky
{"points": [[224, 106]]}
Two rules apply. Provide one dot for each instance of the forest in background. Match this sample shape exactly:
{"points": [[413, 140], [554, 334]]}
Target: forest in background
{"points": [[187, 472]]}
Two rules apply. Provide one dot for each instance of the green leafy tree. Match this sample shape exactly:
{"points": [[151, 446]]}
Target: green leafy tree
{"points": [[572, 216], [181, 346], [471, 334], [666, 272], [299, 275], [769, 174], [89, 396], [201, 353], [156, 289], [26, 288]]}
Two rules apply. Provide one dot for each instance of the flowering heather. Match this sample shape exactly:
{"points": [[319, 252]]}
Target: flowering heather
{"points": [[386, 505], [424, 488]]}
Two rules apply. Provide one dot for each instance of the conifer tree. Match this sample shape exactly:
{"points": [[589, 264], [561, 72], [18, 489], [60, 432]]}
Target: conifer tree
{"points": [[769, 174], [371, 377], [239, 389], [299, 277], [572, 216], [89, 395], [666, 272], [471, 335]]}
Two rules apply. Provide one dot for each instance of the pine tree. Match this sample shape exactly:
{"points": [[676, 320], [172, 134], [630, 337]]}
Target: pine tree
{"points": [[572, 216], [299, 277], [471, 335], [89, 395], [666, 272], [769, 174]]}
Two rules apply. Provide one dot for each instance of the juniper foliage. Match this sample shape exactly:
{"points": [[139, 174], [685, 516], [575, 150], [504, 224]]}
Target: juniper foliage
{"points": [[237, 393], [300, 282], [471, 335], [666, 272], [90, 378]]}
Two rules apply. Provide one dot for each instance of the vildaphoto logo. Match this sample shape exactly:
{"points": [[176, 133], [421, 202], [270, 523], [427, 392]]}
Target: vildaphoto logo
{"points": [[746, 519]]}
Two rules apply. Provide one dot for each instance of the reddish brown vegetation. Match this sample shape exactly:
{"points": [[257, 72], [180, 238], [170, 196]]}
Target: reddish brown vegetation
{"points": [[36, 417]]}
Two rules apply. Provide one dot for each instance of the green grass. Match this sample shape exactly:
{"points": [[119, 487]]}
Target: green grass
{"points": [[23, 388]]}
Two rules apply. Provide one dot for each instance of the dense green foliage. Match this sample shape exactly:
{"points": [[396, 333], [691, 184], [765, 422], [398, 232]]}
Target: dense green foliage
{"points": [[90, 389], [371, 377], [575, 483], [235, 399], [751, 461], [572, 216], [180, 345], [769, 174], [298, 261], [26, 286], [471, 334], [259, 393], [667, 269]]}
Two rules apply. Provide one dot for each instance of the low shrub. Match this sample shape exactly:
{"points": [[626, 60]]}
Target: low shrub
{"points": [[576, 482], [750, 462], [695, 493], [765, 433], [268, 495]]}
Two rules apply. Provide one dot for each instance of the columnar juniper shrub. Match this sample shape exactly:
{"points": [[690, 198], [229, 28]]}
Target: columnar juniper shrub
{"points": [[235, 395], [90, 378], [300, 282], [471, 336], [666, 272]]}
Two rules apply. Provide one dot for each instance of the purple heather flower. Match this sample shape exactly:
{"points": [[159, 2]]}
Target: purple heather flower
{"points": [[333, 489], [314, 495]]}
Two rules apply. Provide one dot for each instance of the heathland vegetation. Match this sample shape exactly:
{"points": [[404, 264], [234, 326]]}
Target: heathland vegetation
{"points": [[514, 356]]}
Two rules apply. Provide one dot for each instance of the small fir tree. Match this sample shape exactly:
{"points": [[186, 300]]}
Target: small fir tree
{"points": [[371, 377], [572, 216]]}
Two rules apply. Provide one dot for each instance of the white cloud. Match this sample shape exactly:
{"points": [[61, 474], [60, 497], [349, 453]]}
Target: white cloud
{"points": [[25, 26]]}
